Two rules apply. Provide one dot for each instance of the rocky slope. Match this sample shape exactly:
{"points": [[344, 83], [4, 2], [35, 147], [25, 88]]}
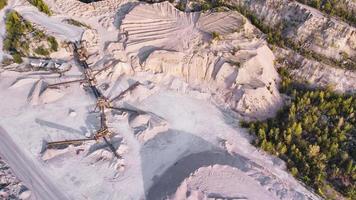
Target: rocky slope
{"points": [[351, 5], [305, 26], [316, 73]]}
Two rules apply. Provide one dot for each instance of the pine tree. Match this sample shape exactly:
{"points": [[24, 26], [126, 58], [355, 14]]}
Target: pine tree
{"points": [[298, 130]]}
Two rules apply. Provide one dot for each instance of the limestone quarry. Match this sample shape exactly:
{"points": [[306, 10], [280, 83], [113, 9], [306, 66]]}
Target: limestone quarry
{"points": [[170, 86]]}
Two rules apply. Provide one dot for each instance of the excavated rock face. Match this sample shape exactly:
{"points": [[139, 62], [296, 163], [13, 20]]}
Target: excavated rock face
{"points": [[317, 74], [306, 26], [221, 52], [351, 5]]}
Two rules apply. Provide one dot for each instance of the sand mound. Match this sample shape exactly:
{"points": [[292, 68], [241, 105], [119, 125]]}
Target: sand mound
{"points": [[162, 26], [208, 50], [158, 26], [51, 95], [211, 173], [219, 182], [147, 125]]}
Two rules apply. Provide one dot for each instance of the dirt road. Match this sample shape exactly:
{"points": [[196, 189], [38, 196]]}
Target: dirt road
{"points": [[28, 171]]}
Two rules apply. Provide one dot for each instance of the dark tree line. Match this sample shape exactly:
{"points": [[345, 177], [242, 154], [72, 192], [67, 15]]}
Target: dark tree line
{"points": [[316, 135]]}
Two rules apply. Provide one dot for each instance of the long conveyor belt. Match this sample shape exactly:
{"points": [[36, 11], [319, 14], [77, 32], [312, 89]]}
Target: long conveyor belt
{"points": [[103, 132], [67, 142]]}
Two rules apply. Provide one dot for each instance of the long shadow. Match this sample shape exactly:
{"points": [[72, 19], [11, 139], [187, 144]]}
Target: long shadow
{"points": [[165, 185], [58, 126], [102, 145]]}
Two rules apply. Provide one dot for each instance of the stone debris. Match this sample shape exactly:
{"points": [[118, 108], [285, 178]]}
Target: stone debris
{"points": [[10, 187]]}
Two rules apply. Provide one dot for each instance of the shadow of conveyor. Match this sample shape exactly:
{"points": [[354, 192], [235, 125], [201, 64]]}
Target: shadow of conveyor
{"points": [[97, 146], [57, 126]]}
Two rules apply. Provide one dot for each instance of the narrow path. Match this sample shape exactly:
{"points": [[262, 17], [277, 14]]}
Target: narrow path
{"points": [[28, 171], [54, 26]]}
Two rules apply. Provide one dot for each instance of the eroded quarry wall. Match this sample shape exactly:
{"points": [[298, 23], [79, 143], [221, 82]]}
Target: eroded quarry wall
{"points": [[305, 26]]}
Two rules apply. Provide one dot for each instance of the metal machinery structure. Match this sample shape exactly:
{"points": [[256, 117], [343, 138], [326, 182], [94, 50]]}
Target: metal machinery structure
{"points": [[102, 103]]}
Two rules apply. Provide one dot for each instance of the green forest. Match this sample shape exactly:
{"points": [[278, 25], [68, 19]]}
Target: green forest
{"points": [[316, 135], [76, 23]]}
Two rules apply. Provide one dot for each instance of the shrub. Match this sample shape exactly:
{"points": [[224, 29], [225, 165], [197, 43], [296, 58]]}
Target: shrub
{"points": [[38, 34], [53, 43], [42, 6], [206, 6], [15, 29], [3, 3], [76, 23], [41, 51], [181, 6], [215, 36], [17, 58]]}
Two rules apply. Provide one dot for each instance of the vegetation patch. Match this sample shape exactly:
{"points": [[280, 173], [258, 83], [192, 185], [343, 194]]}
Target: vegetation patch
{"points": [[316, 135], [22, 37], [42, 6], [215, 36], [181, 6], [3, 3], [76, 23]]}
